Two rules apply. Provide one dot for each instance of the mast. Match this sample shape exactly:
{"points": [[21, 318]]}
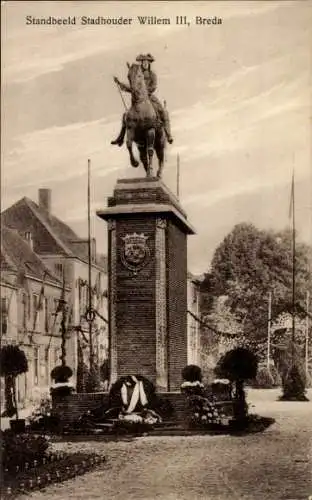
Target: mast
{"points": [[90, 312], [307, 336], [269, 330], [292, 201], [178, 175]]}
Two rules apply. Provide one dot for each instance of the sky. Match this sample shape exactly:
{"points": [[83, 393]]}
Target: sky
{"points": [[238, 93]]}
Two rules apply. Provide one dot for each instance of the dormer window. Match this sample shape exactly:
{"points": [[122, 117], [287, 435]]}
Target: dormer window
{"points": [[29, 239]]}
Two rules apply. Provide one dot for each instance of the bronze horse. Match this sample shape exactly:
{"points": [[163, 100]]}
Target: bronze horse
{"points": [[143, 125]]}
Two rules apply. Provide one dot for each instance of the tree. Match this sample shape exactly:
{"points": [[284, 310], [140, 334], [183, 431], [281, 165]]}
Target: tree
{"points": [[13, 362], [249, 264], [238, 365], [294, 385]]}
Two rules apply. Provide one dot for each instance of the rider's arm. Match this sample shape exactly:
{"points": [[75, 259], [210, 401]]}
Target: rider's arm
{"points": [[152, 84], [124, 87]]}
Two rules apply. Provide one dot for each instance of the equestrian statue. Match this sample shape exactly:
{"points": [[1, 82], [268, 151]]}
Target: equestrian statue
{"points": [[147, 121]]}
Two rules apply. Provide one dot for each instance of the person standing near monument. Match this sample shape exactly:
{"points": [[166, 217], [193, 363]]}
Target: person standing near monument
{"points": [[151, 85]]}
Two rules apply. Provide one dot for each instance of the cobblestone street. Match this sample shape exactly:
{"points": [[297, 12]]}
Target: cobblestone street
{"points": [[269, 466]]}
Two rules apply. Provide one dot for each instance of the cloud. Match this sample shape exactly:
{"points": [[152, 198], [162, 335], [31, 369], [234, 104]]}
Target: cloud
{"points": [[237, 96]]}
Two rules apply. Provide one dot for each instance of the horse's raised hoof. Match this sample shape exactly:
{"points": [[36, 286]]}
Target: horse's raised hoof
{"points": [[117, 142], [135, 163]]}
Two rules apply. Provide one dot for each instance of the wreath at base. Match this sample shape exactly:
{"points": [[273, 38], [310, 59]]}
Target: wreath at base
{"points": [[131, 399]]}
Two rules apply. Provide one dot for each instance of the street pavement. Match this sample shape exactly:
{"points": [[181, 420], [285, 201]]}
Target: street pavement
{"points": [[273, 465]]}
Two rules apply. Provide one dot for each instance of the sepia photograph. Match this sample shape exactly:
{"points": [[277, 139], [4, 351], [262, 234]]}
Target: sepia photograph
{"points": [[156, 250]]}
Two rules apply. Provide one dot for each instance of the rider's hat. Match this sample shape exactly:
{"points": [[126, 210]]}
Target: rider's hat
{"points": [[145, 57]]}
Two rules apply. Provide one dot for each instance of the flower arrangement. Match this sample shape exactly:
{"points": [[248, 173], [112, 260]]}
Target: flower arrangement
{"points": [[44, 409], [133, 396], [42, 416], [61, 375], [192, 380], [206, 414]]}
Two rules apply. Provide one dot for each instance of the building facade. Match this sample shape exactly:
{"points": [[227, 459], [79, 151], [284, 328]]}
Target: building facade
{"points": [[65, 255], [28, 312], [194, 348]]}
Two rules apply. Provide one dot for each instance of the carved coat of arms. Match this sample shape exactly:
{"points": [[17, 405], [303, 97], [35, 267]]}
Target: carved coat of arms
{"points": [[135, 252]]}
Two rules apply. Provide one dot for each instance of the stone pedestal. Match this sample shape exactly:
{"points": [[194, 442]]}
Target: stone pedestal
{"points": [[147, 246]]}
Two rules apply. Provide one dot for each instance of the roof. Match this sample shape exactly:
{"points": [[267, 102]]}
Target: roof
{"points": [[52, 235], [17, 256]]}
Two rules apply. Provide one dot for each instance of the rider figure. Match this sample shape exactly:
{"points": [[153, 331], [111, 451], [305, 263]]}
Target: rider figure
{"points": [[151, 84]]}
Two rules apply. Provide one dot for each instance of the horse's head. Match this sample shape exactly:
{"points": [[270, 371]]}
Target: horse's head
{"points": [[135, 76]]}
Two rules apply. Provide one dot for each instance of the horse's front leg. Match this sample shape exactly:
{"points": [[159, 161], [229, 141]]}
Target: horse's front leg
{"points": [[130, 138], [160, 151], [150, 151], [143, 156]]}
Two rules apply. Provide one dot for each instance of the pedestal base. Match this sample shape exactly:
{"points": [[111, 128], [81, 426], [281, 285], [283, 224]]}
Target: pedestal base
{"points": [[147, 282]]}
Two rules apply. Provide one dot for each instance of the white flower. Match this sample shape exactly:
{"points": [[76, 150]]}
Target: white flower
{"points": [[132, 418], [191, 384], [221, 381]]}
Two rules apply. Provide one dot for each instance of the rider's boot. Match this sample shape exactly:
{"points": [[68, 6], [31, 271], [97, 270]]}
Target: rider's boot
{"points": [[120, 139], [167, 127], [168, 135]]}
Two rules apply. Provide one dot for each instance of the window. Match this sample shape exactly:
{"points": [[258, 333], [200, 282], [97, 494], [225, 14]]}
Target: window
{"points": [[56, 306], [46, 315], [59, 269], [24, 310], [47, 365], [36, 365], [194, 294], [36, 312], [4, 315], [56, 356], [29, 238]]}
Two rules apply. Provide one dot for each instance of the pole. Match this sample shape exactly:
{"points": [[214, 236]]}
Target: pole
{"points": [[89, 274], [122, 98], [307, 337], [293, 269], [63, 323], [178, 175], [269, 330]]}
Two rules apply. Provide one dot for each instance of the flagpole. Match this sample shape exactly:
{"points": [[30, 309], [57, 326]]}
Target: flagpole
{"points": [[293, 267], [89, 273], [307, 336], [178, 175], [63, 324], [269, 330]]}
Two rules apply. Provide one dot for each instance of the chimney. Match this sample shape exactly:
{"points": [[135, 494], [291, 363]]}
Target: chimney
{"points": [[45, 200]]}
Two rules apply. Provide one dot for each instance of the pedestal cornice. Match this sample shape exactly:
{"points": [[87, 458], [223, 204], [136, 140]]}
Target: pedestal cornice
{"points": [[145, 196]]}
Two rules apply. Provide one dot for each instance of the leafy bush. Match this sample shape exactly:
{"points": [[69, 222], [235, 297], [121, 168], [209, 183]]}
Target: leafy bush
{"points": [[61, 373], [266, 379], [13, 362], [192, 373], [221, 391], [294, 385], [18, 449], [238, 365]]}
